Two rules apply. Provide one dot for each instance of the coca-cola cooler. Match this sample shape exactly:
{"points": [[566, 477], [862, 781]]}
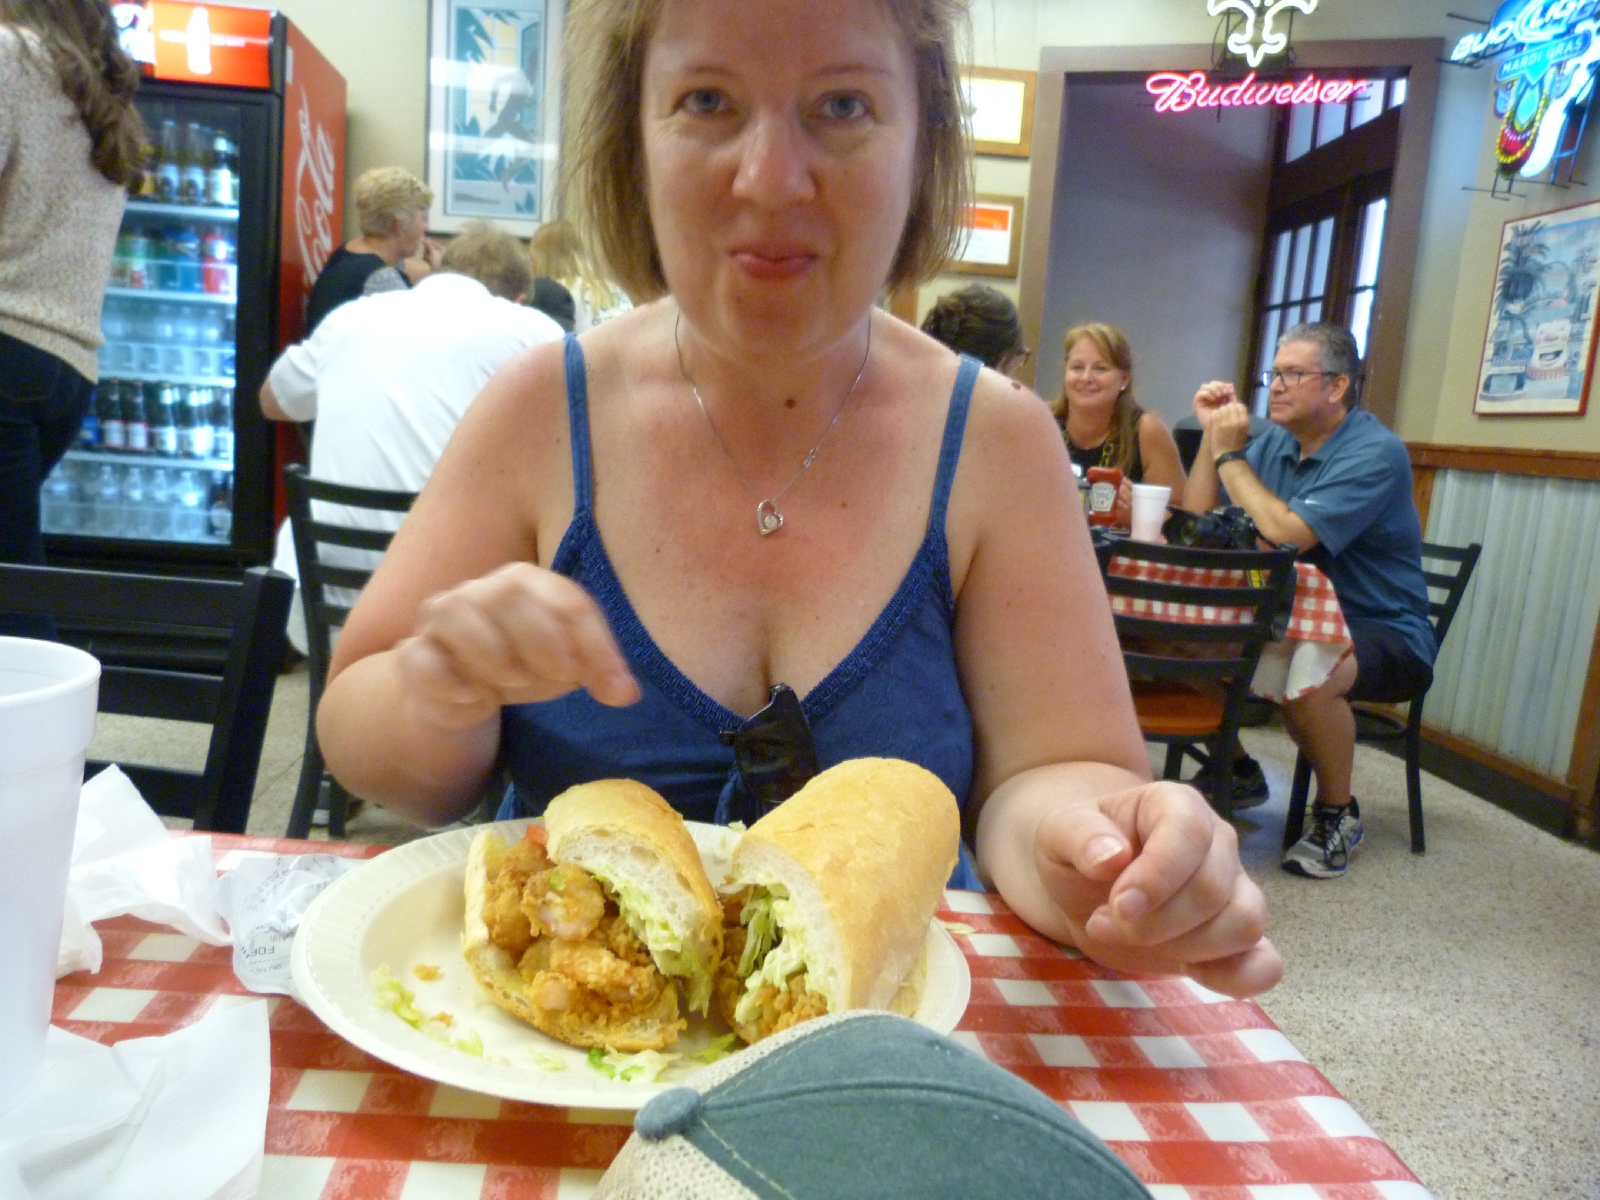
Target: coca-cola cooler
{"points": [[175, 468]]}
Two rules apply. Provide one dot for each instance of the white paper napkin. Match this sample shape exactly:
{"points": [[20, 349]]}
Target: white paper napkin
{"points": [[182, 1117], [124, 861]]}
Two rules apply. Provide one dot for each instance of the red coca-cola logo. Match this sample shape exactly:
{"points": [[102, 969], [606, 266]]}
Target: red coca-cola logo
{"points": [[313, 192]]}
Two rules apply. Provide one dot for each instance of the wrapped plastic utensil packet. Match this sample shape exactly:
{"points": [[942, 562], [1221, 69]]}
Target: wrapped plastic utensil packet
{"points": [[263, 899]]}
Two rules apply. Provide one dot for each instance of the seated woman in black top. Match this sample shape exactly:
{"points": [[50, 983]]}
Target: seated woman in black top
{"points": [[1102, 421], [392, 206]]}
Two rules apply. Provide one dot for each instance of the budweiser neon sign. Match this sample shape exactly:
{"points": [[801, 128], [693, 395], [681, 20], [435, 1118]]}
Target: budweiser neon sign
{"points": [[1176, 92]]}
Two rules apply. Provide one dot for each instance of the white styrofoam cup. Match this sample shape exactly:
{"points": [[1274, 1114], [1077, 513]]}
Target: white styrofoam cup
{"points": [[1149, 511]]}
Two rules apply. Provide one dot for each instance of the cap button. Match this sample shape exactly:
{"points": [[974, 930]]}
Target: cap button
{"points": [[669, 1113]]}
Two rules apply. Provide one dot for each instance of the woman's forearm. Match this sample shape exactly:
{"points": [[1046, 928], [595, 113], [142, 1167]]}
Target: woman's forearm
{"points": [[376, 744]]}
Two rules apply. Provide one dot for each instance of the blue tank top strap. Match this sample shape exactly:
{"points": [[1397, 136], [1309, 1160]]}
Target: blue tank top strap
{"points": [[955, 427], [578, 427]]}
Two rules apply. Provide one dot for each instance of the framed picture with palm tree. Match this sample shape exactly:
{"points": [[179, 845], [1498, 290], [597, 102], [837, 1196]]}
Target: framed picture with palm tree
{"points": [[1539, 348], [494, 119]]}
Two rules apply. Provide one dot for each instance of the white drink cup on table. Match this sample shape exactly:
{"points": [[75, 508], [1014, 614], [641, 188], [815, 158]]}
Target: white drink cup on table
{"points": [[48, 694], [1149, 511]]}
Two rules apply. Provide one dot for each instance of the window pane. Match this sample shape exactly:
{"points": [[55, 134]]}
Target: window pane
{"points": [[1297, 271], [1302, 122], [1269, 350], [1319, 271], [1369, 104], [1397, 93], [1361, 318], [1371, 242], [1314, 311], [1330, 122], [1280, 267]]}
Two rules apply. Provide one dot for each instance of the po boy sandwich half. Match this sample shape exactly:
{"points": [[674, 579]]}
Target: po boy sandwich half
{"points": [[592, 937], [834, 891]]}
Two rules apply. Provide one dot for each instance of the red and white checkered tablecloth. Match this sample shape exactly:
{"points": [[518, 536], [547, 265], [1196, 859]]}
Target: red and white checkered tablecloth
{"points": [[1201, 1095], [1316, 616]]}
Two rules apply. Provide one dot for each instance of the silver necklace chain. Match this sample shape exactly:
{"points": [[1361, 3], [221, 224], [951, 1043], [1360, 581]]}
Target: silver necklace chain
{"points": [[768, 519]]}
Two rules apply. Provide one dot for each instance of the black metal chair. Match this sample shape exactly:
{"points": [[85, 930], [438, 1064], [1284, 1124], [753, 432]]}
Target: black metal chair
{"points": [[1190, 679], [238, 625], [326, 612], [1382, 727]]}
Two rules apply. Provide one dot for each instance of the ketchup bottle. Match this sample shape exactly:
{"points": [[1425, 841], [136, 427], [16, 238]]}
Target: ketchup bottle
{"points": [[1103, 485]]}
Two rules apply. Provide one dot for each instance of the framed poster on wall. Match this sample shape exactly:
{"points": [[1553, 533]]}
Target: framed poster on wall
{"points": [[494, 117], [1538, 350], [999, 110], [991, 242]]}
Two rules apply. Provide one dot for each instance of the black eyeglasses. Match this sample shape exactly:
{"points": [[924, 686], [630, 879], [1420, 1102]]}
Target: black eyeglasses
{"points": [[774, 753], [1293, 378]]}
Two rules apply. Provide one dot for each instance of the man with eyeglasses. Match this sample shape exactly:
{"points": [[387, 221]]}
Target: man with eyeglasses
{"points": [[1330, 479]]}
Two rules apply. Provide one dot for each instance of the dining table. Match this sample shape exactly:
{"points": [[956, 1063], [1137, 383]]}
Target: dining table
{"points": [[1200, 1094], [1316, 637]]}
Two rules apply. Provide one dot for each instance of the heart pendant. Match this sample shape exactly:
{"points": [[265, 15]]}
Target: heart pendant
{"points": [[768, 518]]}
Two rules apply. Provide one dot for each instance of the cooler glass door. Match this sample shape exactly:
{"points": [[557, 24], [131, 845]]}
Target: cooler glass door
{"points": [[154, 459]]}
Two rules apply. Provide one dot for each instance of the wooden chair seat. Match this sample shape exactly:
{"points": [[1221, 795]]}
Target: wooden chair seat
{"points": [[1176, 710]]}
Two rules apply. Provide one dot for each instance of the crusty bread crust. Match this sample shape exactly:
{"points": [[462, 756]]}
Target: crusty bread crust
{"points": [[864, 849], [497, 974]]}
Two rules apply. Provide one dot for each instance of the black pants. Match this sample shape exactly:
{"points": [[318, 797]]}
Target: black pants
{"points": [[42, 403]]}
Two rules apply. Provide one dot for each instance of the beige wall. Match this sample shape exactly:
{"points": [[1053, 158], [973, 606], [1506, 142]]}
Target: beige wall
{"points": [[380, 46]]}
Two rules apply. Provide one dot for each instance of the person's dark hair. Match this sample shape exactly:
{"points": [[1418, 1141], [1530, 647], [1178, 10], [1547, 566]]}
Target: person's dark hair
{"points": [[1336, 352], [602, 161], [976, 320], [491, 256], [80, 38]]}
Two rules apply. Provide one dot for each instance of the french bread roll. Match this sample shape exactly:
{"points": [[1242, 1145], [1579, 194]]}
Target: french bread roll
{"points": [[857, 861]]}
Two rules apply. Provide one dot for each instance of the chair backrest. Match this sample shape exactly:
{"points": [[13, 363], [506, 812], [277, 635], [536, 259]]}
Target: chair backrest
{"points": [[328, 590], [1452, 581], [1163, 625], [233, 696]]}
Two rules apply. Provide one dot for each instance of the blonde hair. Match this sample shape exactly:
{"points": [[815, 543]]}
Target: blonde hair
{"points": [[492, 256], [385, 195], [1113, 345], [556, 250], [603, 169]]}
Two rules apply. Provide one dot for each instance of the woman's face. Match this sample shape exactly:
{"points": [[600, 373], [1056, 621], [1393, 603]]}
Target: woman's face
{"points": [[780, 144], [1092, 379]]}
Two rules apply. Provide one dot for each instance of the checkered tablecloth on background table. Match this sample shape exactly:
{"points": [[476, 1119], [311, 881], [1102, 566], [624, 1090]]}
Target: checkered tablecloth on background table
{"points": [[1316, 642], [1201, 1095]]}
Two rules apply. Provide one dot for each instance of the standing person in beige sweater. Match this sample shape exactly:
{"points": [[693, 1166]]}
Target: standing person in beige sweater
{"points": [[70, 147]]}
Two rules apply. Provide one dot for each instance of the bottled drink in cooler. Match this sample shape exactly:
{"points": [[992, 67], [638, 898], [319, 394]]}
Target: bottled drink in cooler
{"points": [[220, 513], [222, 423], [135, 510], [55, 504], [218, 262], [158, 500], [192, 166], [170, 150], [185, 241], [107, 520], [163, 418], [135, 425], [189, 515], [108, 404], [130, 266], [196, 433], [222, 174], [89, 431]]}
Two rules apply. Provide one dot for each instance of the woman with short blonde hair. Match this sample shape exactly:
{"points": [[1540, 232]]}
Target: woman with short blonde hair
{"points": [[392, 252]]}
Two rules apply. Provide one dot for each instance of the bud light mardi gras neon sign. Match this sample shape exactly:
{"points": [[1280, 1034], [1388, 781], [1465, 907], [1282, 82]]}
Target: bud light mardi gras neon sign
{"points": [[1545, 80], [1179, 93]]}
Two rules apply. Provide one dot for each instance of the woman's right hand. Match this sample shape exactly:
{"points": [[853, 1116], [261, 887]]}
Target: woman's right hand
{"points": [[517, 635]]}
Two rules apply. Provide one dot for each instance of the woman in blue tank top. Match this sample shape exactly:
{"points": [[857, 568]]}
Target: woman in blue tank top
{"points": [[756, 478]]}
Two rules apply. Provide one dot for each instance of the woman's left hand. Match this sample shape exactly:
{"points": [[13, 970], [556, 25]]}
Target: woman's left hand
{"points": [[1149, 879]]}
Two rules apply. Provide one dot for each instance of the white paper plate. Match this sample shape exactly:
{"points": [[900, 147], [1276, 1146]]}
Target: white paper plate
{"points": [[404, 909]]}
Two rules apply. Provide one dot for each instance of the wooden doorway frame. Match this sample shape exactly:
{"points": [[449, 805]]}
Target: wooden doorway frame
{"points": [[1392, 312]]}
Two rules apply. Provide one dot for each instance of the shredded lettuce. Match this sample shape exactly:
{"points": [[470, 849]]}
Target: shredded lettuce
{"points": [[760, 930], [389, 994], [666, 948], [718, 1049], [787, 954], [548, 1062], [643, 1067]]}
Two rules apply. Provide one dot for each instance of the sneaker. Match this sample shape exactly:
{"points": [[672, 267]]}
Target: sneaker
{"points": [[1249, 784], [1324, 852]]}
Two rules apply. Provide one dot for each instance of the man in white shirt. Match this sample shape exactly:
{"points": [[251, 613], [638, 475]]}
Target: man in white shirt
{"points": [[388, 377]]}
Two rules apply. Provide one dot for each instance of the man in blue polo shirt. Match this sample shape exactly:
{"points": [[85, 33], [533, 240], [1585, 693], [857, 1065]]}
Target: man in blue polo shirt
{"points": [[1332, 480]]}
